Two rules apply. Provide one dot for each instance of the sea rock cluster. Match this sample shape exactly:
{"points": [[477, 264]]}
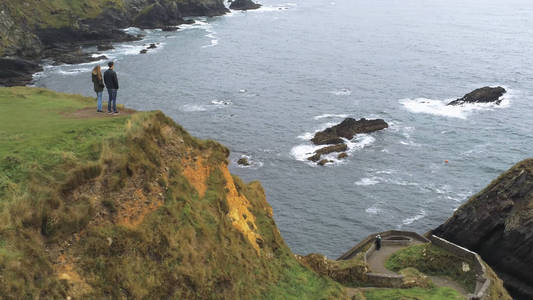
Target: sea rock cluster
{"points": [[336, 135]]}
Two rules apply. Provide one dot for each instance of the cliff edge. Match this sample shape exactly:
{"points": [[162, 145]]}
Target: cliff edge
{"points": [[131, 206], [497, 223]]}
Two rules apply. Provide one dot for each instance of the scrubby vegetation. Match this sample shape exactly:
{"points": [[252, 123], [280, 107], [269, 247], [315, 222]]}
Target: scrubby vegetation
{"points": [[432, 260], [131, 207]]}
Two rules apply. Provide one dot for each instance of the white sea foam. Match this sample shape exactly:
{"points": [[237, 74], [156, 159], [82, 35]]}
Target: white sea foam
{"points": [[309, 135], [132, 30], [368, 181], [193, 108], [221, 102], [73, 71], [303, 151], [440, 107], [330, 116], [411, 220], [279, 7], [401, 182], [342, 92], [373, 210]]}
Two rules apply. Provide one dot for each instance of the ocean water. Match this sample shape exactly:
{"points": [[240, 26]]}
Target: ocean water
{"points": [[262, 82]]}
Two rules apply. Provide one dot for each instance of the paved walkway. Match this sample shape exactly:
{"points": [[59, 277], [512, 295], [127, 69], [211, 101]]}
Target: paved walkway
{"points": [[376, 260]]}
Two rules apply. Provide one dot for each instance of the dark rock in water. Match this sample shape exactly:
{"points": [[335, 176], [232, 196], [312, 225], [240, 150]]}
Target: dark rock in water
{"points": [[152, 46], [324, 161], [104, 47], [498, 224], [482, 95], [143, 51], [347, 129], [327, 150], [342, 155], [244, 5], [243, 161], [169, 28], [188, 21], [15, 72]]}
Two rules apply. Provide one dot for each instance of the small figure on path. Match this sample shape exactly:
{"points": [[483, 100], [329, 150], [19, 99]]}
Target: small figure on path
{"points": [[378, 242], [98, 83], [111, 83]]}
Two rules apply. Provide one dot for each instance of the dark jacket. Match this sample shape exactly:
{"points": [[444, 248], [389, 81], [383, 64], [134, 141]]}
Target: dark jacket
{"points": [[110, 79], [98, 83]]}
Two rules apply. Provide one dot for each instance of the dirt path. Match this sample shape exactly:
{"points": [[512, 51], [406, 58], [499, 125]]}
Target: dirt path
{"points": [[90, 112], [376, 260]]}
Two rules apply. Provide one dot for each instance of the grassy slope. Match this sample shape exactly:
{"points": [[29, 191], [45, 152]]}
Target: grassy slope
{"points": [[58, 13], [111, 207]]}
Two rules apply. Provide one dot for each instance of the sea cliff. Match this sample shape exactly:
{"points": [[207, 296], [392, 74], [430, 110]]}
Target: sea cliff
{"points": [[498, 224]]}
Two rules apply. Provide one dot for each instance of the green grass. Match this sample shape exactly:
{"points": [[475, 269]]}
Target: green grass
{"points": [[36, 135], [440, 293], [297, 283], [58, 13], [432, 260]]}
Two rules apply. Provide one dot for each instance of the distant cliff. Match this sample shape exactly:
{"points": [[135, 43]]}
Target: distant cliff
{"points": [[27, 27], [31, 30], [498, 224]]}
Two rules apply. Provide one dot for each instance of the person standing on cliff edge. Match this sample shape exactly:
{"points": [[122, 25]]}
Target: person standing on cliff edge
{"points": [[98, 83], [111, 83]]}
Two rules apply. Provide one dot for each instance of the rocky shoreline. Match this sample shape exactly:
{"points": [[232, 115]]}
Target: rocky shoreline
{"points": [[24, 45]]}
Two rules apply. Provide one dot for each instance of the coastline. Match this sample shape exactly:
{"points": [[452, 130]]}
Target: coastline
{"points": [[65, 45]]}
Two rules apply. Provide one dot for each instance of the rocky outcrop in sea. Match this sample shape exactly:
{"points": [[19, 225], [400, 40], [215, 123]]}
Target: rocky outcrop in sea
{"points": [[244, 5], [334, 137], [347, 129], [482, 95]]}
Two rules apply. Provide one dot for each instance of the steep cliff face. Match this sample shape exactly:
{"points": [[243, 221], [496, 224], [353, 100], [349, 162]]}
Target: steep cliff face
{"points": [[498, 224], [131, 207]]}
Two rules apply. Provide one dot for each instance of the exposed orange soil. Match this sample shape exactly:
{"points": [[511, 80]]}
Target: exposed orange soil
{"points": [[197, 173], [242, 219]]}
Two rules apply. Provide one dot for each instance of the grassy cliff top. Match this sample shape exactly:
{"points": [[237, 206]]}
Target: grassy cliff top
{"points": [[131, 206], [57, 13]]}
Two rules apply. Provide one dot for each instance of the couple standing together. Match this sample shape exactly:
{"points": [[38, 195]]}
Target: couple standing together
{"points": [[111, 83]]}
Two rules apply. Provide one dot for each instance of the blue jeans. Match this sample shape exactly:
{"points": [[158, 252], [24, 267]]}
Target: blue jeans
{"points": [[99, 101], [112, 98]]}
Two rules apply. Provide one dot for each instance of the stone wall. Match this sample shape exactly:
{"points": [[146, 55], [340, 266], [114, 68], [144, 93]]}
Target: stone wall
{"points": [[371, 238], [483, 282], [396, 281]]}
